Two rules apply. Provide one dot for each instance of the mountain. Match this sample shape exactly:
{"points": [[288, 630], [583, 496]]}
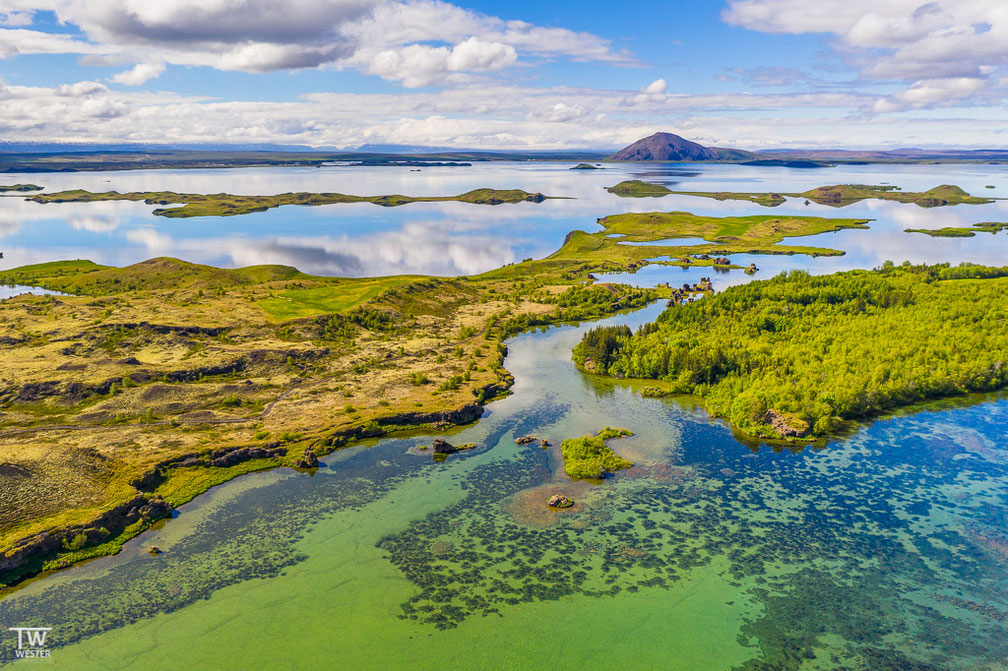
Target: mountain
{"points": [[669, 147]]}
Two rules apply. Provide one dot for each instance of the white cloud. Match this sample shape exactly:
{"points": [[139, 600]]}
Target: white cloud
{"points": [[421, 65], [931, 92], [16, 18], [81, 89], [652, 93], [560, 112], [139, 74], [417, 42], [657, 86], [933, 47]]}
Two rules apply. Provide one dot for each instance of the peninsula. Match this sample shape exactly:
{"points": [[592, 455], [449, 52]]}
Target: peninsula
{"points": [[799, 357]]}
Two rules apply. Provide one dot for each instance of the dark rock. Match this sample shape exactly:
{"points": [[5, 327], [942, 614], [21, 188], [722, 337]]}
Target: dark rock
{"points": [[307, 460], [559, 501], [442, 446]]}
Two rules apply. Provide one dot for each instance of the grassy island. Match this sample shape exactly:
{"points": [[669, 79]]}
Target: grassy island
{"points": [[962, 231], [765, 199], [587, 166], [760, 234], [840, 195], [635, 188], [590, 458], [226, 204], [798, 357], [20, 187]]}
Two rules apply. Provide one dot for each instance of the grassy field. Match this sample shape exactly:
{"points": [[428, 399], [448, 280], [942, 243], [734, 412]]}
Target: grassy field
{"points": [[228, 205]]}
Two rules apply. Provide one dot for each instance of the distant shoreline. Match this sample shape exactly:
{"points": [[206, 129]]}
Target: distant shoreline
{"points": [[166, 159]]}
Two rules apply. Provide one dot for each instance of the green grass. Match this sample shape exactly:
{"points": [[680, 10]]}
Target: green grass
{"points": [[759, 233], [962, 231], [635, 188], [765, 199], [20, 187], [226, 205], [339, 296], [798, 356], [840, 195], [590, 458], [88, 278]]}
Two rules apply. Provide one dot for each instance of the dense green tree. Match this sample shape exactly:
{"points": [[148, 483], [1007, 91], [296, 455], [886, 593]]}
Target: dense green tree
{"points": [[797, 355]]}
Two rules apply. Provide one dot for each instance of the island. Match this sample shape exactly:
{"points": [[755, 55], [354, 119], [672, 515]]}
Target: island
{"points": [[799, 357], [228, 205], [841, 195], [587, 166], [590, 458], [635, 188], [20, 188], [962, 231]]}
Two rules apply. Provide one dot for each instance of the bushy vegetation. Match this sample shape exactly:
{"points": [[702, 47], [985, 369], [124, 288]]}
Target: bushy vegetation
{"points": [[797, 355], [589, 458]]}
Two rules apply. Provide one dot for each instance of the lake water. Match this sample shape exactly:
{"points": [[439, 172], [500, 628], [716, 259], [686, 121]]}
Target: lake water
{"points": [[453, 238], [886, 549]]}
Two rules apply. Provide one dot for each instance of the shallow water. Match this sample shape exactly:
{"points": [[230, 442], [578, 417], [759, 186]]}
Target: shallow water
{"points": [[882, 550]]}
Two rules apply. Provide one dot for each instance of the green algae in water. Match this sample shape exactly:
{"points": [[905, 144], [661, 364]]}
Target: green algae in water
{"points": [[885, 550]]}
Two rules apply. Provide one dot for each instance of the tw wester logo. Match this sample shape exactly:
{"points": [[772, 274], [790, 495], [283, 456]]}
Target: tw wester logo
{"points": [[31, 642]]}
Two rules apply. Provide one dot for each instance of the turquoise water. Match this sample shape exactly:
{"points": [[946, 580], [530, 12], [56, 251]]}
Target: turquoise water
{"points": [[884, 549], [881, 550]]}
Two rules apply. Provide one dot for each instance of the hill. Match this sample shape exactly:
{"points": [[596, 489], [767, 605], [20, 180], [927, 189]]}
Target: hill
{"points": [[671, 147]]}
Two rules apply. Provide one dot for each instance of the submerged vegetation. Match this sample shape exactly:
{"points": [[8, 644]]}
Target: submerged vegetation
{"points": [[798, 356], [226, 204], [590, 458], [153, 382]]}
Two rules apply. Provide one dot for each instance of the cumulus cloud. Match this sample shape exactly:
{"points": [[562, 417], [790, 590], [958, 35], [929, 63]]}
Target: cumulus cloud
{"points": [[420, 65], [931, 92], [81, 89], [560, 112], [653, 92], [945, 45], [139, 74], [416, 42]]}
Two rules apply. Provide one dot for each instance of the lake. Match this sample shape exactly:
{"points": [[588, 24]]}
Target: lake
{"points": [[884, 549]]}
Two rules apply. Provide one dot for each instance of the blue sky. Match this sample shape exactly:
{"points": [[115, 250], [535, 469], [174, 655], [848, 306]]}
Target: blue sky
{"points": [[341, 73]]}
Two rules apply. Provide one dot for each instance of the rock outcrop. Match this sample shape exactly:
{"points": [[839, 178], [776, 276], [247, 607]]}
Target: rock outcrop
{"points": [[559, 501]]}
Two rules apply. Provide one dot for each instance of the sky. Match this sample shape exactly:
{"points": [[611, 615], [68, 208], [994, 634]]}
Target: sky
{"points": [[753, 74]]}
